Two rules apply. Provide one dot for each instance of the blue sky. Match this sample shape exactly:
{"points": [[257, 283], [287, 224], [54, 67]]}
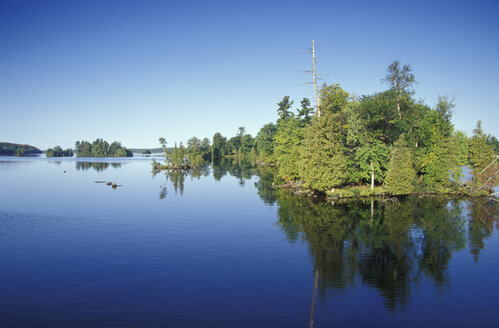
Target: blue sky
{"points": [[134, 71]]}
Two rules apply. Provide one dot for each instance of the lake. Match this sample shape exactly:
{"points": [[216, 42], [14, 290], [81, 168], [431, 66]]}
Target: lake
{"points": [[221, 248]]}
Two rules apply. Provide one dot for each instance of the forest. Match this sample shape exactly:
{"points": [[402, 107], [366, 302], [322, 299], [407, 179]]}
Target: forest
{"points": [[101, 148], [388, 142], [7, 148]]}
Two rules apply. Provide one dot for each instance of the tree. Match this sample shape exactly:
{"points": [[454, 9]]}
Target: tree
{"points": [[333, 98], [305, 111], [479, 151], [400, 174], [284, 108], [323, 163], [372, 160], [484, 162], [287, 148], [194, 153], [247, 144], [218, 146], [264, 142], [401, 80], [241, 131]]}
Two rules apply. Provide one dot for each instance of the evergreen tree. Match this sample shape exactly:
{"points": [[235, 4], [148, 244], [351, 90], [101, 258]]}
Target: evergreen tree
{"points": [[480, 152], [400, 175], [323, 163], [284, 108]]}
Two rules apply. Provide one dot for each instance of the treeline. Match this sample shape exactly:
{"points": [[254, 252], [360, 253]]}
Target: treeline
{"points": [[57, 151], [9, 149], [198, 152], [388, 141], [101, 148]]}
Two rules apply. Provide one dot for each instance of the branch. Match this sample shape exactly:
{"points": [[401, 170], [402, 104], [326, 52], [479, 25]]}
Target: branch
{"points": [[485, 169]]}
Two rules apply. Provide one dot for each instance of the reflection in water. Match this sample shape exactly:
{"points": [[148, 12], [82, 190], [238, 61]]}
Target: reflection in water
{"points": [[484, 216], [386, 245], [177, 179], [98, 166], [389, 249], [241, 169]]}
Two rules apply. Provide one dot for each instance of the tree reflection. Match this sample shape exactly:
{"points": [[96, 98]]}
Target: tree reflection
{"points": [[384, 245], [97, 166], [483, 217]]}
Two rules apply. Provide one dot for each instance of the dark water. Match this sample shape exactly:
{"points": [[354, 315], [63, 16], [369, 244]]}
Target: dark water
{"points": [[221, 248]]}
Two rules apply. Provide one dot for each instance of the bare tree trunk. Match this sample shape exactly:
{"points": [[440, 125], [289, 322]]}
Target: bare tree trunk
{"points": [[372, 176], [317, 99], [398, 107]]}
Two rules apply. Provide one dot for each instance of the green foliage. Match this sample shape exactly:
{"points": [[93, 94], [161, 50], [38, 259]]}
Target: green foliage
{"points": [[481, 154], [333, 98], [219, 146], [264, 142], [284, 108], [400, 175], [442, 163], [462, 147], [371, 158], [304, 113], [7, 148], [247, 144], [101, 148], [287, 148], [323, 163], [58, 152], [493, 143]]}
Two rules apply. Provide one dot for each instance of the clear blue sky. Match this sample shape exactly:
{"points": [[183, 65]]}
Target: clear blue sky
{"points": [[134, 71]]}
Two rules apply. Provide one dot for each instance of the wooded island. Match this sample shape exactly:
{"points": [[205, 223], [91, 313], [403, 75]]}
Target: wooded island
{"points": [[383, 143]]}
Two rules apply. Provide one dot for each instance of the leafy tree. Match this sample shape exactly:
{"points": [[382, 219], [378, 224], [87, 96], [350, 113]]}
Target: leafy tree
{"points": [[323, 163], [401, 80], [233, 145], [400, 174], [371, 158], [247, 144], [194, 152], [219, 146], [333, 98], [264, 142], [206, 149]]}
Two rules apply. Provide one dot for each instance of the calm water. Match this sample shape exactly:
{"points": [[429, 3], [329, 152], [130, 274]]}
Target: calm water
{"points": [[220, 248]]}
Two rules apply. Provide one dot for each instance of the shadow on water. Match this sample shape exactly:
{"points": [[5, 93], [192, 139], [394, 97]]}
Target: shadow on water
{"points": [[97, 166]]}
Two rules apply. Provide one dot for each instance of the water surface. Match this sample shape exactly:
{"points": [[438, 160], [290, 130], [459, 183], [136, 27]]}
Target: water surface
{"points": [[220, 248]]}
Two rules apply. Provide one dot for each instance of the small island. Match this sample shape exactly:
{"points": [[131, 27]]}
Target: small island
{"points": [[101, 148]]}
